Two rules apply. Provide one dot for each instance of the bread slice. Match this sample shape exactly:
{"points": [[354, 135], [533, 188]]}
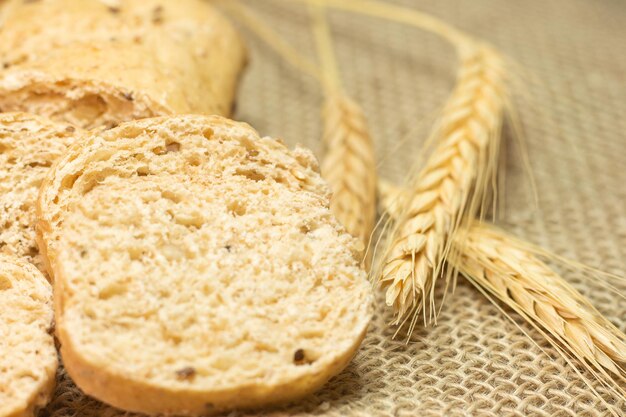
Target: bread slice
{"points": [[28, 358], [198, 268], [29, 145], [138, 59]]}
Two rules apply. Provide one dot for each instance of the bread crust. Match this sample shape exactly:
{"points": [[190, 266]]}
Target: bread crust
{"points": [[123, 392], [127, 391], [143, 59]]}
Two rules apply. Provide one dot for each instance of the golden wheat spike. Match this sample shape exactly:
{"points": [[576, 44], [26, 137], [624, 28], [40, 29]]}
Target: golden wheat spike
{"points": [[512, 271], [349, 164], [495, 262], [451, 186]]}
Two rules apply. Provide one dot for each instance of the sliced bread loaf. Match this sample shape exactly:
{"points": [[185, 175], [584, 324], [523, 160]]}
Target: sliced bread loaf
{"points": [[28, 358], [95, 65], [29, 145], [198, 268]]}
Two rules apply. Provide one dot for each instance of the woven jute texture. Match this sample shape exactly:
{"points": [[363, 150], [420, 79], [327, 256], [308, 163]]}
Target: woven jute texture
{"points": [[571, 102]]}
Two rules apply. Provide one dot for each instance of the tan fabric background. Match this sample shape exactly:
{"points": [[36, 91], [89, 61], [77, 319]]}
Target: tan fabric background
{"points": [[573, 107], [476, 362]]}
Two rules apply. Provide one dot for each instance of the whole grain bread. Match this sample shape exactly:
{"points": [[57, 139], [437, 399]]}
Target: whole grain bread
{"points": [[198, 268], [29, 145], [96, 64], [28, 358]]}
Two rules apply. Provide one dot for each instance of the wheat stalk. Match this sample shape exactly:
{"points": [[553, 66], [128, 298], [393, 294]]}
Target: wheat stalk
{"points": [[450, 187]]}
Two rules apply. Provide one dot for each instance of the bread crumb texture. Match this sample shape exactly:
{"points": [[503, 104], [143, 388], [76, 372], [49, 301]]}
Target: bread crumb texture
{"points": [[28, 147], [28, 358], [139, 59], [199, 268]]}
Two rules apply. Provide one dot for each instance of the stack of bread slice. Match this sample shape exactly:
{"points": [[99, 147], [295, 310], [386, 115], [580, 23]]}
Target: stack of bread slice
{"points": [[196, 266]]}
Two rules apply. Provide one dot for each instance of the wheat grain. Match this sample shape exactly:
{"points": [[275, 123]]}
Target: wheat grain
{"points": [[495, 262], [509, 269], [349, 164], [450, 187]]}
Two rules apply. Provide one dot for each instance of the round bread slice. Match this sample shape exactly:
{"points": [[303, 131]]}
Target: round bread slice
{"points": [[29, 145], [28, 358], [127, 60], [198, 268]]}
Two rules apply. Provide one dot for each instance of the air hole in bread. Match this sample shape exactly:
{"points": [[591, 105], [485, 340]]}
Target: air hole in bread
{"points": [[157, 15], [131, 132], [172, 147], [143, 171], [45, 164], [28, 378], [280, 180], [135, 253], [194, 161], [251, 174], [89, 107], [237, 208], [170, 195], [68, 182], [111, 290], [5, 283]]}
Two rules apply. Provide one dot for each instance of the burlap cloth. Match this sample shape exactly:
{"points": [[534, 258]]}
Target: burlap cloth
{"points": [[572, 105]]}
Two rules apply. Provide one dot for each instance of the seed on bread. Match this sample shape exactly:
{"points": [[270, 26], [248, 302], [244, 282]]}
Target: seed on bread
{"points": [[186, 373], [298, 357], [157, 15]]}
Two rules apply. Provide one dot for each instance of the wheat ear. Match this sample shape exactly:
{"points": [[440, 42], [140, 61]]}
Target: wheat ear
{"points": [[495, 262], [508, 269], [349, 163], [450, 187], [349, 166]]}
